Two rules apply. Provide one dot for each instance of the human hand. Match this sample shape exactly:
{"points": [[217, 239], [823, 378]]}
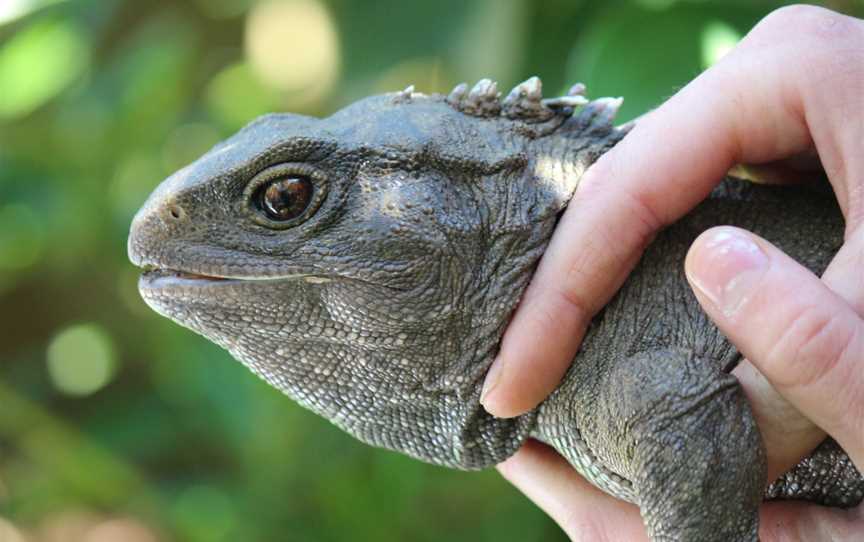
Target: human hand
{"points": [[805, 338], [795, 84]]}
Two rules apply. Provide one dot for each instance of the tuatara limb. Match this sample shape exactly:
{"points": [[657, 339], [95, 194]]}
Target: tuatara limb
{"points": [[366, 265]]}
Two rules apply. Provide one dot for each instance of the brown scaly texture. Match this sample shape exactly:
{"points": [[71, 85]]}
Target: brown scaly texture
{"points": [[366, 264]]}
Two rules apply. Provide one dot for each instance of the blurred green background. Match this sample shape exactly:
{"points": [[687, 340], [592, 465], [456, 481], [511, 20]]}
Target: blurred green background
{"points": [[117, 425]]}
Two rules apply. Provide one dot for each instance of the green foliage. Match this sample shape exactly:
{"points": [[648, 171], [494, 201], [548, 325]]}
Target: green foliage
{"points": [[38, 63], [106, 409]]}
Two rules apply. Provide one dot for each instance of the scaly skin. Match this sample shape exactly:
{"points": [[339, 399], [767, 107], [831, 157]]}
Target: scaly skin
{"points": [[410, 226]]}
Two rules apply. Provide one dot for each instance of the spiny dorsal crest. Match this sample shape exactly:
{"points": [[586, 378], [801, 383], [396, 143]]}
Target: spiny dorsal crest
{"points": [[533, 115], [405, 94], [524, 102]]}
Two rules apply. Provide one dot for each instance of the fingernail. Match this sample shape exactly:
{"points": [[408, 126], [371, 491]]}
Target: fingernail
{"points": [[492, 378], [727, 267]]}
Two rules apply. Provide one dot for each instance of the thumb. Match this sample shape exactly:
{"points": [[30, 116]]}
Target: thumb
{"points": [[805, 339]]}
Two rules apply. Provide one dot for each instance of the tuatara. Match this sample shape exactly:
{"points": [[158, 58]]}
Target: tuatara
{"points": [[367, 263]]}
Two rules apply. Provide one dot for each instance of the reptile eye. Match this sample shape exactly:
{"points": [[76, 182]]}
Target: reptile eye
{"points": [[285, 198]]}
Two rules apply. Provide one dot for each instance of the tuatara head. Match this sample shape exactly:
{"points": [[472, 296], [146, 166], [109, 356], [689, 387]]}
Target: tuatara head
{"points": [[366, 263]]}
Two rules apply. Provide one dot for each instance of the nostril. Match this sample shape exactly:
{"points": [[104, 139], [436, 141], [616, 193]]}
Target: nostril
{"points": [[175, 212]]}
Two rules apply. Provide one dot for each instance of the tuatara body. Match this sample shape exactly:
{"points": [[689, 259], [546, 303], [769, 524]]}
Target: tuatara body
{"points": [[366, 264]]}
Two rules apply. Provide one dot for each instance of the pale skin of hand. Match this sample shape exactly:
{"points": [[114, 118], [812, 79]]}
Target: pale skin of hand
{"points": [[795, 84]]}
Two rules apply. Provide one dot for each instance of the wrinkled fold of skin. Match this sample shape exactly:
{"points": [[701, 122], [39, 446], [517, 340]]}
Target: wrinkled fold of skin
{"points": [[380, 305]]}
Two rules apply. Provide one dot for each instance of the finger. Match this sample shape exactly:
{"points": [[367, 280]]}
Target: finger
{"points": [[788, 435], [805, 339], [584, 512], [800, 522], [765, 101], [844, 274]]}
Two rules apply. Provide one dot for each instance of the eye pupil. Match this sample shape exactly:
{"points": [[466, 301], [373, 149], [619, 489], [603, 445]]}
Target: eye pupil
{"points": [[286, 198]]}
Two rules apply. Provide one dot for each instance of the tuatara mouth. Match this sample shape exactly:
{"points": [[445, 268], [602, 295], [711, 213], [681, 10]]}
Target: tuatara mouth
{"points": [[159, 278], [166, 280], [154, 273]]}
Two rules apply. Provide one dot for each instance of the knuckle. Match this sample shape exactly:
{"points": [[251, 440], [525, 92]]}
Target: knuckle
{"points": [[800, 18], [838, 65], [609, 252], [842, 69], [814, 344], [642, 203], [583, 273], [578, 306], [645, 212], [547, 316], [602, 256], [815, 26]]}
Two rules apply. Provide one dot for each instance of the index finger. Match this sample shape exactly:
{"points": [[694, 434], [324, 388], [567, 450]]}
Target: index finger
{"points": [[764, 101]]}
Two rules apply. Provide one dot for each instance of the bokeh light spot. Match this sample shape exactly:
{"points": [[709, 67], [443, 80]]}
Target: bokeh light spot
{"points": [[292, 45], [81, 359], [12, 10], [235, 96], [21, 237], [717, 39], [38, 63]]}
